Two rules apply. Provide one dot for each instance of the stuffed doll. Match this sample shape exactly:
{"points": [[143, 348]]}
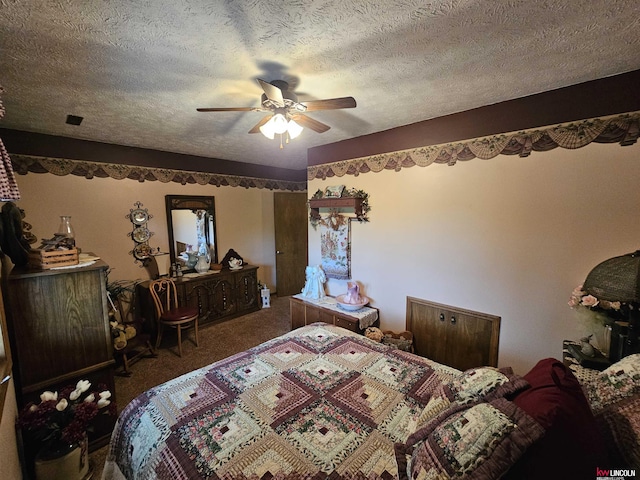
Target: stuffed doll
{"points": [[374, 333], [119, 335], [129, 332], [314, 284]]}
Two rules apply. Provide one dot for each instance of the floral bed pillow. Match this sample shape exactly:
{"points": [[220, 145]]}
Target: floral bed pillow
{"points": [[618, 382], [483, 383], [472, 385], [620, 427], [614, 396], [480, 441]]}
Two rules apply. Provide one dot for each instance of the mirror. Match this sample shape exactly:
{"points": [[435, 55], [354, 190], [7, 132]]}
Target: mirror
{"points": [[191, 222]]}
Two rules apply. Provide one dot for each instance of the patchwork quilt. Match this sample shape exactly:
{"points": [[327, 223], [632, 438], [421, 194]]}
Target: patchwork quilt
{"points": [[317, 402]]}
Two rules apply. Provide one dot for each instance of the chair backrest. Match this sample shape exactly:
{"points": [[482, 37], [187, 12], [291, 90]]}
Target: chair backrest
{"points": [[165, 295]]}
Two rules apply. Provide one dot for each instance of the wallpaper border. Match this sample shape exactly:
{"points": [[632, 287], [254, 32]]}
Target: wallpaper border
{"points": [[623, 129], [24, 164]]}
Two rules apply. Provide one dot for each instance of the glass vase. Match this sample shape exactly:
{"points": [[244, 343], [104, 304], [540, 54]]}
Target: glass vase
{"points": [[65, 227], [602, 338]]}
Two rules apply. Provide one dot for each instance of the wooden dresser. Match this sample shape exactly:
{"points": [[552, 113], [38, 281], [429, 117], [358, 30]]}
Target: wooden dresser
{"points": [[59, 332], [303, 312], [218, 296], [453, 336]]}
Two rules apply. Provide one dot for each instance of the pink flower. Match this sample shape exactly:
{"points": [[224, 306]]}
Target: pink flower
{"points": [[589, 301], [578, 292], [610, 305]]}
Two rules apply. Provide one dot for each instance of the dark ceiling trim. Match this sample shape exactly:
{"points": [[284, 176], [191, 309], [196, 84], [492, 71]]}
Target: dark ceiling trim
{"points": [[623, 129], [53, 146], [597, 98], [24, 164]]}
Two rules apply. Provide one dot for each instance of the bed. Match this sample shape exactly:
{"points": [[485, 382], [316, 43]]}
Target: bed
{"points": [[324, 402]]}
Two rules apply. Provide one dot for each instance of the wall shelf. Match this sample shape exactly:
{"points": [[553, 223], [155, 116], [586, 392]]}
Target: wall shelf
{"points": [[344, 202]]}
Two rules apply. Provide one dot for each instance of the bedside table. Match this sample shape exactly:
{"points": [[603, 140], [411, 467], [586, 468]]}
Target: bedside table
{"points": [[571, 355], [584, 375]]}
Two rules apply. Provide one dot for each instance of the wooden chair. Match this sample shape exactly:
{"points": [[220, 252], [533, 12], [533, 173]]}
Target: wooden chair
{"points": [[169, 313], [137, 347]]}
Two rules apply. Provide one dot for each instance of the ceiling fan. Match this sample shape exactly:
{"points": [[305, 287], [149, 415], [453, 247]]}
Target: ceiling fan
{"points": [[286, 114]]}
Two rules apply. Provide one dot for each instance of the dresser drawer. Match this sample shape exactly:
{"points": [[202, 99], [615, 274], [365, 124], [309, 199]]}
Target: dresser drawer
{"points": [[347, 323]]}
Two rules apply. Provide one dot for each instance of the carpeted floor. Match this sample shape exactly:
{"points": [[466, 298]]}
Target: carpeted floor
{"points": [[217, 341]]}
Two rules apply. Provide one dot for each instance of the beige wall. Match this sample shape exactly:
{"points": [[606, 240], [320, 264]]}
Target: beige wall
{"points": [[99, 208], [99, 211], [508, 236]]}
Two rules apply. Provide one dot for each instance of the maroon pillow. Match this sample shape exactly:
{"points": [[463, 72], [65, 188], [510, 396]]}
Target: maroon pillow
{"points": [[572, 443]]}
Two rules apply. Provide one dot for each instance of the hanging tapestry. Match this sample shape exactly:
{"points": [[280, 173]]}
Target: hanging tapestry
{"points": [[8, 185], [335, 246]]}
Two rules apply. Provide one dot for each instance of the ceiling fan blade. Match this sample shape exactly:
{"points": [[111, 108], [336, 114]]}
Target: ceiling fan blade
{"points": [[230, 109], [309, 122], [272, 92], [330, 104], [256, 127]]}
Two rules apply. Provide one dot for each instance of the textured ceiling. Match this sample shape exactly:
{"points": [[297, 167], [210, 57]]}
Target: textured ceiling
{"points": [[137, 70]]}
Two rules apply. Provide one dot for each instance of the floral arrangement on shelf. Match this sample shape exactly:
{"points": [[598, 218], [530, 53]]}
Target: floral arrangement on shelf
{"points": [[581, 298], [64, 417], [361, 216], [594, 313]]}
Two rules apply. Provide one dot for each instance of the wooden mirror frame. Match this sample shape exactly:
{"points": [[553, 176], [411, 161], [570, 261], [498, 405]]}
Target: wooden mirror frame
{"points": [[191, 202]]}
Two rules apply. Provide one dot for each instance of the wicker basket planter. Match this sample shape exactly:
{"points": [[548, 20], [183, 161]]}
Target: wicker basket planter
{"points": [[401, 341]]}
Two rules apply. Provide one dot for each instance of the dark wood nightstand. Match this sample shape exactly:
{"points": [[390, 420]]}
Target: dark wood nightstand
{"points": [[571, 355]]}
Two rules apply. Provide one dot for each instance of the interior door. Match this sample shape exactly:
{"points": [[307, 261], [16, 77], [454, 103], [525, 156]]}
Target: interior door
{"points": [[291, 224]]}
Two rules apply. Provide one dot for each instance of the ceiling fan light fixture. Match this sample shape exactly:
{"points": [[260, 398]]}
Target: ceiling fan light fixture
{"points": [[294, 129], [283, 105], [279, 123], [268, 129]]}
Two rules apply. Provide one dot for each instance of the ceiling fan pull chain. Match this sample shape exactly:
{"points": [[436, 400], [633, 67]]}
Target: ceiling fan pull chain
{"points": [[281, 146]]}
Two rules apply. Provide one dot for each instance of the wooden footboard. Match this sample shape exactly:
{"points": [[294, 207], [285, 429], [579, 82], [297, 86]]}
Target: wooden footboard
{"points": [[453, 336]]}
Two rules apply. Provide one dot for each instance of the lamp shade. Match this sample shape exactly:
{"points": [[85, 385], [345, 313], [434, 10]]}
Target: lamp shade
{"points": [[616, 279], [268, 130], [294, 129], [279, 123]]}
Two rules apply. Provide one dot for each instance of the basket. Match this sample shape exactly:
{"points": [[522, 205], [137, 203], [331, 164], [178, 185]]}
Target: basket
{"points": [[401, 341], [53, 258]]}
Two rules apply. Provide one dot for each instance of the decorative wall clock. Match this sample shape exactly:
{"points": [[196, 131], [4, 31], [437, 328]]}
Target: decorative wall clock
{"points": [[140, 235]]}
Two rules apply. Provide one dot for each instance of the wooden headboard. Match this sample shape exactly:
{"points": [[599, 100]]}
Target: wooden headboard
{"points": [[453, 336]]}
